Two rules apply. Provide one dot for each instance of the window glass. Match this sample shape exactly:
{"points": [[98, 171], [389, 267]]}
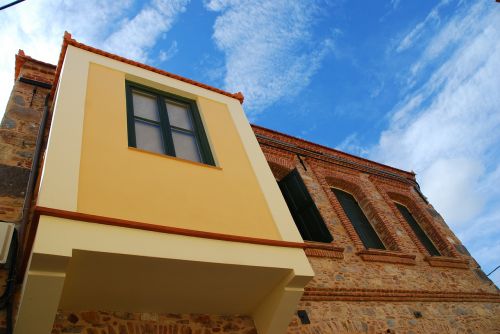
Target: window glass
{"points": [[164, 123], [178, 116], [145, 106], [304, 212], [419, 232], [358, 219], [185, 146], [148, 137]]}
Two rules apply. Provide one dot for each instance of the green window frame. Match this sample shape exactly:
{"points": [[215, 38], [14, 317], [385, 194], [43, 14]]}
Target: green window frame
{"points": [[188, 141], [361, 225]]}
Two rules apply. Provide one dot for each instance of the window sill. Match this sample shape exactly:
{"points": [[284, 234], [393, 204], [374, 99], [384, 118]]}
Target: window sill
{"points": [[447, 262], [174, 158], [319, 249], [387, 256]]}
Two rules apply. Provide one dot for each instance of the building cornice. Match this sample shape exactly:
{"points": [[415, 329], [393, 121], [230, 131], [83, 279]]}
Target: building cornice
{"points": [[350, 294], [327, 154]]}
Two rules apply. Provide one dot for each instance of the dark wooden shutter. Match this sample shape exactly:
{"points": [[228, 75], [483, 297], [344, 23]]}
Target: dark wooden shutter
{"points": [[424, 239], [303, 210], [358, 219]]}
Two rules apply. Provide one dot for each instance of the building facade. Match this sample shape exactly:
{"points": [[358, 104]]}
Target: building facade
{"points": [[397, 284], [144, 203]]}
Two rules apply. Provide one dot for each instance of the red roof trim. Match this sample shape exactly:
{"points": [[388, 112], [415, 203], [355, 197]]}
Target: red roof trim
{"points": [[70, 41], [21, 58]]}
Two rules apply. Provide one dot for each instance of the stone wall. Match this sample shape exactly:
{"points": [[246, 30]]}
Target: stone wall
{"points": [[371, 291], [150, 323], [18, 133], [388, 317]]}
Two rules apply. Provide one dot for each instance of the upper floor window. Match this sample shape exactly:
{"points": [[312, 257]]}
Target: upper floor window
{"points": [[167, 124], [419, 232], [358, 219], [303, 210]]}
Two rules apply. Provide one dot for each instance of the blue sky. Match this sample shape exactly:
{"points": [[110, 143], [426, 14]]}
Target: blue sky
{"points": [[414, 84]]}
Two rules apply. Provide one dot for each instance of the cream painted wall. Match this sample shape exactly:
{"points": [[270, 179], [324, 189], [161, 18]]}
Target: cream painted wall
{"points": [[89, 168], [73, 234], [60, 180], [157, 255], [120, 182]]}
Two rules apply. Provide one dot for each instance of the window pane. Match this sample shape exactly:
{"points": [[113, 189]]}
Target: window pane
{"points": [[185, 146], [178, 116], [148, 137], [145, 106], [358, 219], [303, 210], [424, 239]]}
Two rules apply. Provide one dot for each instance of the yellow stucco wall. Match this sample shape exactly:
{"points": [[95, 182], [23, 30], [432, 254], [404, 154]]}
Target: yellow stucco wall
{"points": [[120, 182], [88, 167]]}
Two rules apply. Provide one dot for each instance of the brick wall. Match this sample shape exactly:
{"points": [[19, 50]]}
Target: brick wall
{"points": [[370, 291]]}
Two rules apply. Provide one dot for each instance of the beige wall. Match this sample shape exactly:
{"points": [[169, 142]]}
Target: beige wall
{"points": [[89, 167], [117, 181], [84, 266]]}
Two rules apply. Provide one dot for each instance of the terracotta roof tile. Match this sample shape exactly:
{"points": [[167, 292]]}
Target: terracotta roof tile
{"points": [[68, 40], [21, 58]]}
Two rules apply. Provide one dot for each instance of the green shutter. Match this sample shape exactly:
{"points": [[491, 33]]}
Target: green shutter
{"points": [[304, 212], [424, 239], [358, 219]]}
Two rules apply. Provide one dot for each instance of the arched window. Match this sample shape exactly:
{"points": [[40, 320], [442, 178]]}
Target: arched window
{"points": [[363, 228], [304, 212], [417, 229]]}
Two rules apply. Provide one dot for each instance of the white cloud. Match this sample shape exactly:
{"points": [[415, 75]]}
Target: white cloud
{"points": [[135, 36], [416, 33], [450, 35], [351, 144], [447, 129], [395, 3], [169, 53], [37, 27], [269, 48], [217, 5], [452, 181]]}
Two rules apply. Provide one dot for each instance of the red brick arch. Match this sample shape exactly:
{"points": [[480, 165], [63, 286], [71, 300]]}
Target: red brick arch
{"points": [[425, 222], [366, 204], [280, 165]]}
